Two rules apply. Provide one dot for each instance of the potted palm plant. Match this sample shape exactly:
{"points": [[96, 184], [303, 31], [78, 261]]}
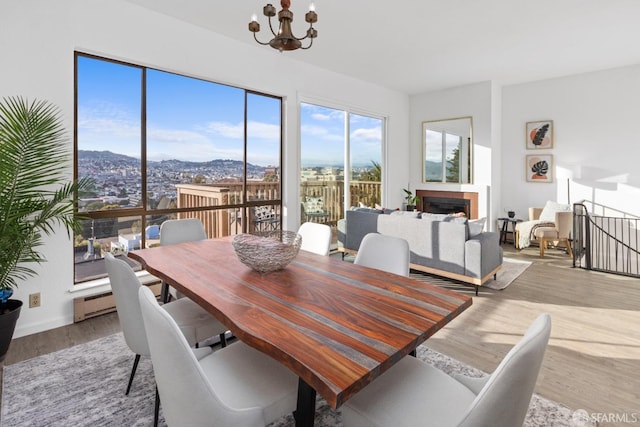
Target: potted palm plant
{"points": [[36, 195]]}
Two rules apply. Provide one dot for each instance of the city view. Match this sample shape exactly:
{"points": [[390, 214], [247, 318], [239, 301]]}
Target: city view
{"points": [[117, 178]]}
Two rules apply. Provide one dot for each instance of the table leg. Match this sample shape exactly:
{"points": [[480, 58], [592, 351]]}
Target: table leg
{"points": [[306, 408], [503, 233], [164, 292]]}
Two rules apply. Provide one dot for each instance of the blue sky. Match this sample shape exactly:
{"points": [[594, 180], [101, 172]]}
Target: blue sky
{"points": [[323, 137], [192, 119]]}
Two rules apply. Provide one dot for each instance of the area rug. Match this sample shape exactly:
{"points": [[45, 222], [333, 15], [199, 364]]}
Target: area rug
{"points": [[511, 269], [84, 386]]}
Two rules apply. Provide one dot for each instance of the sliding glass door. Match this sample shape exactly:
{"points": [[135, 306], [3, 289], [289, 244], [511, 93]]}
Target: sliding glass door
{"points": [[341, 162]]}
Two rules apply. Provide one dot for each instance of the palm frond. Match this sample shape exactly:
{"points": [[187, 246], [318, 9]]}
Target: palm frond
{"points": [[35, 194]]}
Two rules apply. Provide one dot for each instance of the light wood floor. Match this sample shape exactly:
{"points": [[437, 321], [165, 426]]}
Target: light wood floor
{"points": [[592, 361]]}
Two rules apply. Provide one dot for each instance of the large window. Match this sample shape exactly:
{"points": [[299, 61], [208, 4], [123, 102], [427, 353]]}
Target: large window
{"points": [[162, 146], [341, 160]]}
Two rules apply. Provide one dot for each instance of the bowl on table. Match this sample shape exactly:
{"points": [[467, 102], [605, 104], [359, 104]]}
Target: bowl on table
{"points": [[266, 252]]}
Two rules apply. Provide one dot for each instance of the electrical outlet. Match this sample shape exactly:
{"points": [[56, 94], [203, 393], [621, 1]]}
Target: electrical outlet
{"points": [[34, 300]]}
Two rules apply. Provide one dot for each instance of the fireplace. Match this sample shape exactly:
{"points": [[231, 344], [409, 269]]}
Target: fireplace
{"points": [[448, 202], [446, 205]]}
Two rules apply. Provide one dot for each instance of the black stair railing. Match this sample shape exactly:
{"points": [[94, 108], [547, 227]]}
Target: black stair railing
{"points": [[606, 243]]}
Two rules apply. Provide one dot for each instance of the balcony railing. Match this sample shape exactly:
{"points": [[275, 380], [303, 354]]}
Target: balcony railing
{"points": [[224, 222], [368, 193]]}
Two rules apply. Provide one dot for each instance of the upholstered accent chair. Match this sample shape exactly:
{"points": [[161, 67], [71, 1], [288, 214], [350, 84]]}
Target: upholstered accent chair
{"points": [[316, 238], [174, 231], [194, 322], [413, 392], [234, 386], [551, 225], [386, 253]]}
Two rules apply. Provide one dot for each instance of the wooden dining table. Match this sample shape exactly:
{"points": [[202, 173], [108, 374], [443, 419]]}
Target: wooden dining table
{"points": [[335, 324]]}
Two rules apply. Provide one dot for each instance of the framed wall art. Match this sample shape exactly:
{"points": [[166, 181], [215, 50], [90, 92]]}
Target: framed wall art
{"points": [[539, 135], [539, 167]]}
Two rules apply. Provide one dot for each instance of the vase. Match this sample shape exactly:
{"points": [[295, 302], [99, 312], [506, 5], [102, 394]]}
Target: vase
{"points": [[9, 313]]}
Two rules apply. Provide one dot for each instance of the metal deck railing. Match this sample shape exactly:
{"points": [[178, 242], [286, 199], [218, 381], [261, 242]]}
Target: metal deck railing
{"points": [[608, 242]]}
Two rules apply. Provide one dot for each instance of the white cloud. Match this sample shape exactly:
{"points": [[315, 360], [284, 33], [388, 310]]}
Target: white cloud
{"points": [[177, 136], [321, 133], [264, 131], [226, 130], [364, 134], [255, 129], [321, 117]]}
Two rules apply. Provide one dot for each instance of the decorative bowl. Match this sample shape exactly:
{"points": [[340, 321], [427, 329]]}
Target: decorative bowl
{"points": [[265, 252]]}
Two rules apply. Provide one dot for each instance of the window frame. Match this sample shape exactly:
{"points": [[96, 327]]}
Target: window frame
{"points": [[144, 210]]}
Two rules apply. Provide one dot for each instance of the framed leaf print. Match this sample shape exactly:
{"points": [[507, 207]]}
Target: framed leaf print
{"points": [[539, 167], [539, 135]]}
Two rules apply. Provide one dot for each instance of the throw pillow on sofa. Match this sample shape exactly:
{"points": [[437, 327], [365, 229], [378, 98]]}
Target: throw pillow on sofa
{"points": [[476, 226], [410, 214]]}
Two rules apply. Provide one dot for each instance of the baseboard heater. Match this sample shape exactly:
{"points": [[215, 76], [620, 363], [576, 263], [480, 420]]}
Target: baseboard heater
{"points": [[98, 304]]}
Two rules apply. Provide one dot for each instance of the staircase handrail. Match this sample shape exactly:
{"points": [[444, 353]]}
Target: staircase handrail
{"points": [[603, 207], [590, 221]]}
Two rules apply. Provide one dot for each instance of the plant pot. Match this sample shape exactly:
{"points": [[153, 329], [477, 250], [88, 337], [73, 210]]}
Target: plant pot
{"points": [[411, 208], [9, 314]]}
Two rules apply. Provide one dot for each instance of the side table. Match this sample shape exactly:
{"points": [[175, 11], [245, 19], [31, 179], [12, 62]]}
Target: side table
{"points": [[504, 230]]}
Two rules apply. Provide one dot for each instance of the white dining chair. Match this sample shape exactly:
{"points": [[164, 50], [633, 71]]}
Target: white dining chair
{"points": [[234, 386], [194, 322], [316, 238], [385, 253], [174, 231], [413, 392]]}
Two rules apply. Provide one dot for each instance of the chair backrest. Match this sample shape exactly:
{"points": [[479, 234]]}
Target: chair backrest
{"points": [[385, 253], [187, 396], [534, 213], [316, 238], [564, 224], [175, 231], [505, 398], [125, 285]]}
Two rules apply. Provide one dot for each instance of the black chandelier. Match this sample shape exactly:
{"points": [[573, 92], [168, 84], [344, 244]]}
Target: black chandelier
{"points": [[284, 39]]}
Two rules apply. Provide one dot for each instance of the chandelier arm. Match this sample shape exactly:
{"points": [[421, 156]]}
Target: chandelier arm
{"points": [[310, 44], [259, 42], [306, 36], [271, 28]]}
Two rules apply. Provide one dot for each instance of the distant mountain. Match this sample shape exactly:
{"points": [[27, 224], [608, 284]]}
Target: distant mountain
{"points": [[108, 156], [174, 164], [434, 171]]}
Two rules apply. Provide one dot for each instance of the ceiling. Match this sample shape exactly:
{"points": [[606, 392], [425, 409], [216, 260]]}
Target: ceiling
{"points": [[415, 46]]}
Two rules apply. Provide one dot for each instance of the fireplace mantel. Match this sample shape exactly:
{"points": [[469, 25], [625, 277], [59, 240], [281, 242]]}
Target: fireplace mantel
{"points": [[466, 195]]}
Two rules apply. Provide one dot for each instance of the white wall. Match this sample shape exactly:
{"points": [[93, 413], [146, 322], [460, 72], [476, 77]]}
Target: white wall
{"points": [[472, 100], [596, 117], [37, 41]]}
